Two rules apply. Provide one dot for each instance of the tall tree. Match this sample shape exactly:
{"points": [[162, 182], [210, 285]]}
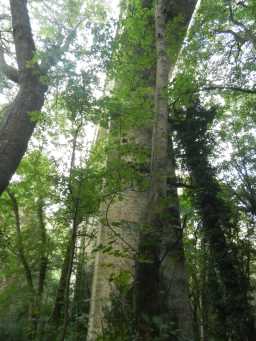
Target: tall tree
{"points": [[219, 224], [29, 99], [160, 245], [31, 78]]}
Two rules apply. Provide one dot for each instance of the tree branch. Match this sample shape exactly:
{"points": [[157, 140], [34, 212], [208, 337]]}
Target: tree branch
{"points": [[9, 71], [248, 35], [238, 38], [230, 88], [232, 18], [53, 54]]}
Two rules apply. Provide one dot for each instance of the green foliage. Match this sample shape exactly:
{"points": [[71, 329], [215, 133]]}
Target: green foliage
{"points": [[215, 127], [120, 323]]}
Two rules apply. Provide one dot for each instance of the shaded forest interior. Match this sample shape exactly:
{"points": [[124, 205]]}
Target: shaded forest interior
{"points": [[127, 170]]}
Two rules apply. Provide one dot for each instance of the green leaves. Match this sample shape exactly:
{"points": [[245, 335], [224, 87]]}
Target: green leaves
{"points": [[36, 116]]}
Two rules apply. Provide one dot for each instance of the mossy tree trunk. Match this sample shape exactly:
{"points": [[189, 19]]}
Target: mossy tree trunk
{"points": [[226, 275], [160, 266]]}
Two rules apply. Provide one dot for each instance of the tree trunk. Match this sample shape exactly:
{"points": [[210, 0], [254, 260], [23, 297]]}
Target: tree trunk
{"points": [[61, 306], [57, 314], [43, 265], [129, 211], [204, 294], [43, 254], [132, 208], [20, 247], [80, 304], [234, 310], [34, 303], [18, 125], [160, 246], [21, 115]]}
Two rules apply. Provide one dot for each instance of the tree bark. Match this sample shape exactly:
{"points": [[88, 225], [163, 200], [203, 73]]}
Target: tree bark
{"points": [[161, 258], [19, 119], [43, 254], [17, 126], [131, 209], [80, 303]]}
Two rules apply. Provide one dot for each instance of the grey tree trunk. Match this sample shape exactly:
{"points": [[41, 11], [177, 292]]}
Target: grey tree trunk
{"points": [[161, 242], [133, 209], [120, 241], [128, 211]]}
